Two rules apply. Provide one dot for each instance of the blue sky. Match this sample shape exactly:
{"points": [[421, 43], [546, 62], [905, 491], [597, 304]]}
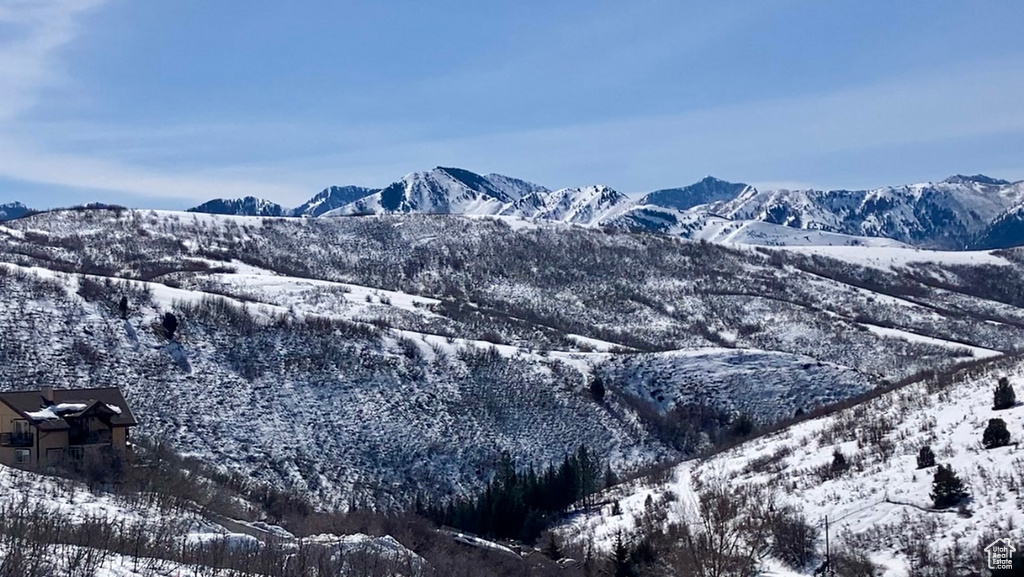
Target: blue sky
{"points": [[166, 103]]}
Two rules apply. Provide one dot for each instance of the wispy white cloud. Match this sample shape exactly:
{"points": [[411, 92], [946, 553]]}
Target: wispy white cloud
{"points": [[34, 32], [287, 163], [21, 163]]}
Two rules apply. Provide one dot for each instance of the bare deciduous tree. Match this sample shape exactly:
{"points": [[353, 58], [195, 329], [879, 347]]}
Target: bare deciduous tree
{"points": [[727, 534]]}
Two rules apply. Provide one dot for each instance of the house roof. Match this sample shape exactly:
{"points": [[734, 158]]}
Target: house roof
{"points": [[69, 403]]}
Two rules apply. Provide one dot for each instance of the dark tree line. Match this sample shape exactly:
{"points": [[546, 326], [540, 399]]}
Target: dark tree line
{"points": [[520, 503]]}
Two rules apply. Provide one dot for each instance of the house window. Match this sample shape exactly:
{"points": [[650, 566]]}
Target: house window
{"points": [[22, 456], [21, 427], [76, 453]]}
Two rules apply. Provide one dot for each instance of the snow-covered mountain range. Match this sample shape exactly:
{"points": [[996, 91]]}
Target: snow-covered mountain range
{"points": [[957, 213], [951, 214]]}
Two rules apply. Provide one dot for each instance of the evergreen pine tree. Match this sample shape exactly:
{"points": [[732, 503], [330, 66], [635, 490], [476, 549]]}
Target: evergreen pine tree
{"points": [[1004, 397], [925, 458], [597, 389], [122, 308], [170, 324], [742, 425], [996, 434], [622, 565], [947, 488], [839, 464]]}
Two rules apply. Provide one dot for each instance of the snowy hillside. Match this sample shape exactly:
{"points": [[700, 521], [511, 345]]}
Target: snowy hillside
{"points": [[249, 388], [26, 499], [759, 383], [374, 358], [880, 503], [166, 521]]}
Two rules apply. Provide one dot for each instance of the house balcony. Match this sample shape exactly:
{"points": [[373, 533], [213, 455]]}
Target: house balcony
{"points": [[17, 440], [91, 438]]}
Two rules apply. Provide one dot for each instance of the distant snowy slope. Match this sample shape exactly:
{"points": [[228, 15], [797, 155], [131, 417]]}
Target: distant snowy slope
{"points": [[331, 198], [1006, 230], [697, 224], [589, 205], [946, 214], [768, 234], [763, 384], [897, 258], [513, 188]]}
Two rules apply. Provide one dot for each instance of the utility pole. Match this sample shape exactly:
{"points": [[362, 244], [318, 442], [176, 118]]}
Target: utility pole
{"points": [[825, 569], [829, 571]]}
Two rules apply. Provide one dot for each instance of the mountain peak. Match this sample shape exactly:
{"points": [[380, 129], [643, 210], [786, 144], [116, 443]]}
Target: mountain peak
{"points": [[977, 178], [245, 206], [708, 189], [442, 190], [712, 180]]}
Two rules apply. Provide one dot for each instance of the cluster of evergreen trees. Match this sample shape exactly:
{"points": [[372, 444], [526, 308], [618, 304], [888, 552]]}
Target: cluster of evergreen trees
{"points": [[520, 504], [948, 489]]}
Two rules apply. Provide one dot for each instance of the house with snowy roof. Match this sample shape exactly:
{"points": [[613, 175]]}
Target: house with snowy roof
{"points": [[50, 426]]}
